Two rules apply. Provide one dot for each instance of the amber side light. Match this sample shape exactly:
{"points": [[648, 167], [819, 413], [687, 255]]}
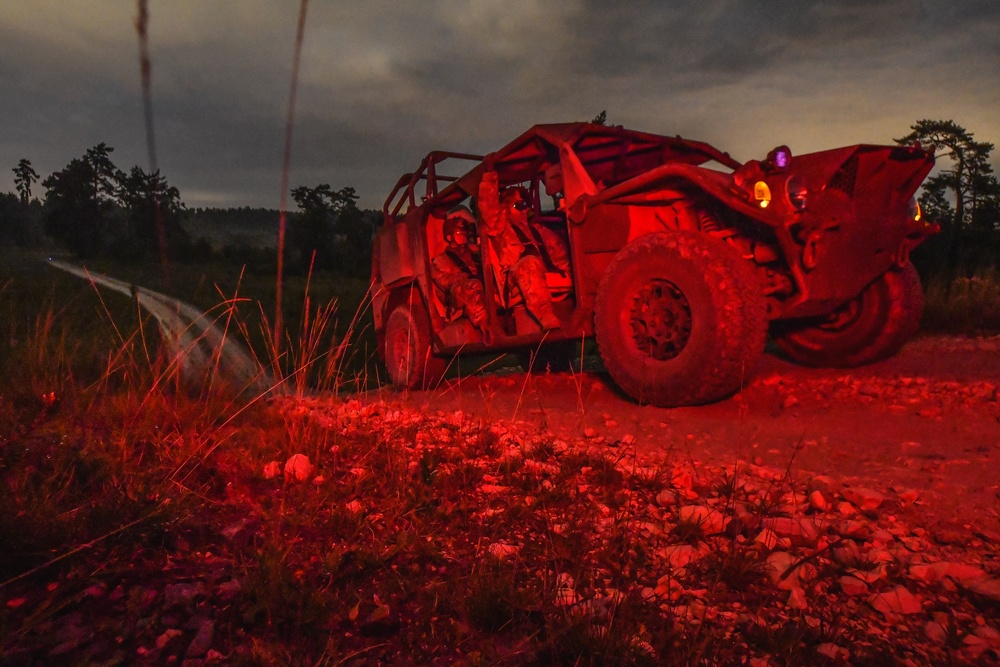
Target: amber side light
{"points": [[762, 193]]}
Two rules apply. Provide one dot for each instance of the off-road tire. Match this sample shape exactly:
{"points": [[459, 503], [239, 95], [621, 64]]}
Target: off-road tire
{"points": [[870, 328], [408, 356], [711, 326]]}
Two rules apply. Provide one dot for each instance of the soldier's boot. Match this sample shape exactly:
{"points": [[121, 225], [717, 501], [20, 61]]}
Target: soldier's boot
{"points": [[529, 275], [475, 306], [469, 294], [543, 311], [478, 318]]}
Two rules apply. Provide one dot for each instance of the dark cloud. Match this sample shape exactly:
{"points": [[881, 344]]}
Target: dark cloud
{"points": [[704, 39], [382, 83]]}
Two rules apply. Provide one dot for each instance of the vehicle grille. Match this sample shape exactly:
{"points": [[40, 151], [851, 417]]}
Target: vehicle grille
{"points": [[845, 178]]}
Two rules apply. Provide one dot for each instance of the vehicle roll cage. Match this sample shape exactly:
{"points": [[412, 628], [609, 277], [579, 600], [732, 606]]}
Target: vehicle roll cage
{"points": [[404, 193], [611, 153]]}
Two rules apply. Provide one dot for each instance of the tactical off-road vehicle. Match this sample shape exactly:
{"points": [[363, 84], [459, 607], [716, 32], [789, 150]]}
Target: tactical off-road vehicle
{"points": [[682, 258]]}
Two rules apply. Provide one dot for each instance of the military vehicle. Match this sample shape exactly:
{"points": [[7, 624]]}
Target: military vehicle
{"points": [[682, 259]]}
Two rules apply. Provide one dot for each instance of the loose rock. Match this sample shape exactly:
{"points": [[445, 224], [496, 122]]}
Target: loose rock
{"points": [[298, 468], [897, 601]]}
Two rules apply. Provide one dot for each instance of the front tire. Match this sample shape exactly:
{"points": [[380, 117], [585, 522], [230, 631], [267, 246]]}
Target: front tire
{"points": [[680, 319], [408, 355], [867, 329]]}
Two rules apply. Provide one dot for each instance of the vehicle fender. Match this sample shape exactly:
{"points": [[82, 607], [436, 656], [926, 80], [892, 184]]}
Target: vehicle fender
{"points": [[670, 183], [396, 256]]}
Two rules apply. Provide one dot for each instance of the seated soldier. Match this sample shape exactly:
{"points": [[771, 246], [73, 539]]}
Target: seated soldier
{"points": [[523, 249], [537, 238], [458, 272]]}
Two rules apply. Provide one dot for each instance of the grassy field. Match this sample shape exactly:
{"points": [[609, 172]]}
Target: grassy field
{"points": [[340, 303], [144, 525], [970, 306], [320, 311]]}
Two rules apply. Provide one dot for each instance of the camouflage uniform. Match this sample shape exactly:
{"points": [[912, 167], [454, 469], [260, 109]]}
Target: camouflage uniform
{"points": [[522, 248], [457, 272]]}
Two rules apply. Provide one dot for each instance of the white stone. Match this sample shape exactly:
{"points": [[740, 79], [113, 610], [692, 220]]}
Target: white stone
{"points": [[298, 468]]}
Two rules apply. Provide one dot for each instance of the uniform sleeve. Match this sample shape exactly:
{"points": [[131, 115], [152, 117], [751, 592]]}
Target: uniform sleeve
{"points": [[444, 272], [489, 204]]}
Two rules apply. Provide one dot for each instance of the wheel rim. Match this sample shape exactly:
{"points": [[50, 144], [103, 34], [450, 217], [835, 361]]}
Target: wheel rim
{"points": [[843, 317], [660, 320]]}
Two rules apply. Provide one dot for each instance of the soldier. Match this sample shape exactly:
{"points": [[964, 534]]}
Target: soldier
{"points": [[458, 272], [522, 249]]}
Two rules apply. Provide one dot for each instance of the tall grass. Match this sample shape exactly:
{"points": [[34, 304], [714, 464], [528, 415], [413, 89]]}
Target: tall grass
{"points": [[108, 464], [59, 337], [322, 353], [87, 384], [138, 518], [325, 316], [969, 305]]}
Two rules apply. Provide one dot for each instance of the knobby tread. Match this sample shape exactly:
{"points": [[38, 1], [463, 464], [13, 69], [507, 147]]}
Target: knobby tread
{"points": [[906, 305], [739, 309], [899, 299], [423, 370]]}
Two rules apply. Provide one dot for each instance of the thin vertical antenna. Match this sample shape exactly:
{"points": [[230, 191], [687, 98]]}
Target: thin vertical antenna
{"points": [[145, 70], [141, 27], [284, 175]]}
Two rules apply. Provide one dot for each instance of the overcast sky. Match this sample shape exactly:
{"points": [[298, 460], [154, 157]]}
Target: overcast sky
{"points": [[384, 82]]}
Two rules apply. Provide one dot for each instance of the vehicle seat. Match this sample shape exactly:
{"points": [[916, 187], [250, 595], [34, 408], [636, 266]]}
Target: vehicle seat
{"points": [[560, 285]]}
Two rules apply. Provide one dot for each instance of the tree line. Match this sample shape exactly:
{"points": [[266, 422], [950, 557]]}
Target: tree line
{"points": [[963, 197], [91, 209]]}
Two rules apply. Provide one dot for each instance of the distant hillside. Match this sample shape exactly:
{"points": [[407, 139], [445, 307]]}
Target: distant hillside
{"points": [[247, 227], [221, 227]]}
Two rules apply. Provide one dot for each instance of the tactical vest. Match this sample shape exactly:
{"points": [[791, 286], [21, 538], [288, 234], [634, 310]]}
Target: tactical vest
{"points": [[534, 245], [466, 262]]}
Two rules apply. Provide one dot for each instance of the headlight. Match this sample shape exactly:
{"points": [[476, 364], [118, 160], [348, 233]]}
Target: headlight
{"points": [[916, 213], [796, 193]]}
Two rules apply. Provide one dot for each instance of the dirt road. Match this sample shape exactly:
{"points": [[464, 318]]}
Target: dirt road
{"points": [[926, 421]]}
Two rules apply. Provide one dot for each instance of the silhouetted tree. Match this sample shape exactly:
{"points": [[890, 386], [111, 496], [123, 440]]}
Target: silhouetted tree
{"points": [[10, 218], [91, 206], [107, 176], [601, 118], [20, 215], [150, 204], [76, 214], [311, 232], [353, 239], [329, 225], [24, 176], [974, 188]]}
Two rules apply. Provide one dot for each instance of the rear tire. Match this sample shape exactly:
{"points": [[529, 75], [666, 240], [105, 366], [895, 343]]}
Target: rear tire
{"points": [[680, 319], [408, 356], [867, 329]]}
